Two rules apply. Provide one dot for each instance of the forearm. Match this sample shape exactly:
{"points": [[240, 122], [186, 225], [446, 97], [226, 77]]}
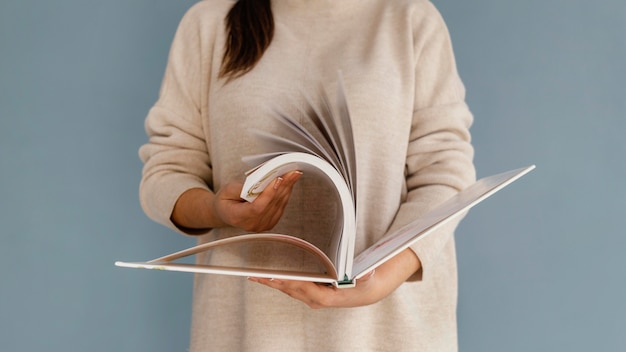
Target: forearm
{"points": [[397, 270]]}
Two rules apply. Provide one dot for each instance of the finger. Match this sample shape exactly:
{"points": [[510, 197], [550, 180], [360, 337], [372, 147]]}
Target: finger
{"points": [[282, 186], [258, 215], [271, 196], [283, 194], [271, 203], [367, 276]]}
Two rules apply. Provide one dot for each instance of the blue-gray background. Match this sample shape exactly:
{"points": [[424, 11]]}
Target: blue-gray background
{"points": [[541, 264]]}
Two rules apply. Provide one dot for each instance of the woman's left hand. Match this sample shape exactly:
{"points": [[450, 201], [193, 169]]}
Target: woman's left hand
{"points": [[369, 289]]}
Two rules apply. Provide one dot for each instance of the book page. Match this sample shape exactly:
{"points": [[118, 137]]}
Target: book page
{"points": [[329, 135], [342, 237], [263, 253], [401, 239]]}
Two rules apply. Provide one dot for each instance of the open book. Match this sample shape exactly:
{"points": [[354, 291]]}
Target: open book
{"points": [[324, 148]]}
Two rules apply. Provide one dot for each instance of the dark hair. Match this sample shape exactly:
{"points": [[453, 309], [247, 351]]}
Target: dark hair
{"points": [[250, 28]]}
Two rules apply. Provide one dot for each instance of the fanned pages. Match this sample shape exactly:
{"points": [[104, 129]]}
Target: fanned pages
{"points": [[342, 241], [336, 145], [323, 148]]}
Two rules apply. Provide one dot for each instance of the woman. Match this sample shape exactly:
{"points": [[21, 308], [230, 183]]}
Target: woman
{"points": [[231, 64]]}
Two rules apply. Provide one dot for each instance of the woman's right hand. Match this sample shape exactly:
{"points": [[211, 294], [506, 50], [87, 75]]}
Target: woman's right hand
{"points": [[260, 215], [200, 209]]}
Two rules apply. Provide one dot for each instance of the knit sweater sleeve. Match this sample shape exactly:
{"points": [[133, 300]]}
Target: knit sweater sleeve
{"points": [[439, 159], [176, 157]]}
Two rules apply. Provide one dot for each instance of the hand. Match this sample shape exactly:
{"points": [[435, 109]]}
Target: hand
{"points": [[260, 215], [370, 289], [198, 208]]}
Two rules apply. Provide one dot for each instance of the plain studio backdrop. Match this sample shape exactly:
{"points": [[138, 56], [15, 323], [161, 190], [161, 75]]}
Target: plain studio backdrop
{"points": [[541, 263]]}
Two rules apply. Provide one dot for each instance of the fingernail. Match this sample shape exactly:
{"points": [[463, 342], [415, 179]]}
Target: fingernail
{"points": [[294, 175], [277, 183]]}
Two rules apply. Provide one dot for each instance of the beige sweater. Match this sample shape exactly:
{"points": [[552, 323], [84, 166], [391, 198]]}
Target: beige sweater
{"points": [[413, 151]]}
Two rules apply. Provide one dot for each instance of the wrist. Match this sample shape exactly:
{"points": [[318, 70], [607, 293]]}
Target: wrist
{"points": [[195, 210]]}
